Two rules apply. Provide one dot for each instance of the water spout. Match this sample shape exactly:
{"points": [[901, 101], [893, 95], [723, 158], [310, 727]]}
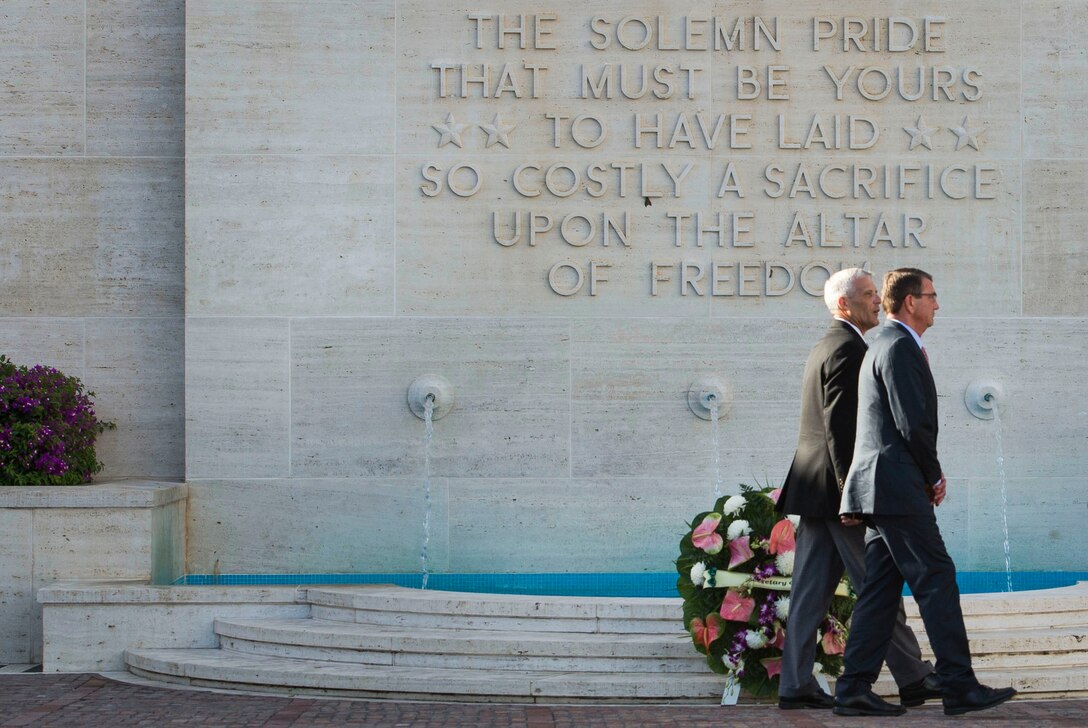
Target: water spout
{"points": [[1004, 496], [983, 398], [428, 438], [430, 397], [710, 399], [434, 387]]}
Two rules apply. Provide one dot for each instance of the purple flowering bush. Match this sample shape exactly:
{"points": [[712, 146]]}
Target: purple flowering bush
{"points": [[47, 427]]}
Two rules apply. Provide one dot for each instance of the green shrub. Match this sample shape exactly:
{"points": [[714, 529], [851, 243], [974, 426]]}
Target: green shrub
{"points": [[47, 427]]}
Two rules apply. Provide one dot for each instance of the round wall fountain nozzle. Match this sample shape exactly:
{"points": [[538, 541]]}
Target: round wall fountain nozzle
{"points": [[983, 398], [435, 388], [707, 394]]}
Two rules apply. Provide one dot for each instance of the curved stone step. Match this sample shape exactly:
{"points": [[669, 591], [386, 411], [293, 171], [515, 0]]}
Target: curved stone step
{"points": [[223, 669], [1036, 682], [1061, 607], [220, 668], [1026, 647], [482, 649], [400, 606]]}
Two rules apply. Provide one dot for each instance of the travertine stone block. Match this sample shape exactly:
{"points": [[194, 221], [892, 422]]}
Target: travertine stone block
{"points": [[55, 342], [97, 543], [1055, 228], [1055, 78], [628, 524], [1044, 517], [290, 235], [236, 397], [349, 406], [136, 369], [95, 237], [136, 78], [17, 608], [41, 62], [88, 627], [630, 380], [292, 76], [105, 531], [342, 525], [1041, 427]]}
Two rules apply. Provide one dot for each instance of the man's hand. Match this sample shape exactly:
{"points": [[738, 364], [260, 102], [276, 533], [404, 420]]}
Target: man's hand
{"points": [[849, 520], [936, 492]]}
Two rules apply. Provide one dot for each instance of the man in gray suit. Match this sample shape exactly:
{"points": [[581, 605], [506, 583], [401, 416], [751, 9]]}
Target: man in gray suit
{"points": [[813, 489], [894, 483]]}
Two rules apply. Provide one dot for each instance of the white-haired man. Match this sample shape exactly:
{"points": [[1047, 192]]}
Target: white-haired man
{"points": [[827, 544]]}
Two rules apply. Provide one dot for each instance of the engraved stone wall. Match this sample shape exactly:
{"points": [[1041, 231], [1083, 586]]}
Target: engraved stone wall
{"points": [[570, 212]]}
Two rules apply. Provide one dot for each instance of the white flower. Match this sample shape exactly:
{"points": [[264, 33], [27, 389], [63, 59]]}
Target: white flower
{"points": [[733, 505], [738, 529], [698, 574], [795, 520], [784, 563], [755, 639], [782, 608]]}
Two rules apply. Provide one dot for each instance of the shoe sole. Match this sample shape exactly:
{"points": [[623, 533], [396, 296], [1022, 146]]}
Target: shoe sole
{"points": [[856, 712], [961, 711], [802, 706]]}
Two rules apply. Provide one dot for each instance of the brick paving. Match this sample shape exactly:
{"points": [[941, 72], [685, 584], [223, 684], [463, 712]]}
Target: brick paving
{"points": [[87, 701]]}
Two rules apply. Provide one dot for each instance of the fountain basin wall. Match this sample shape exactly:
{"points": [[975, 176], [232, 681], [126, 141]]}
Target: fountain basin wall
{"points": [[121, 530], [88, 625]]}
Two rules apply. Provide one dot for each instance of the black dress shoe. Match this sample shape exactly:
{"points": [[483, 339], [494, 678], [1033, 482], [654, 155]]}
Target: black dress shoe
{"points": [[928, 688], [979, 697], [815, 699], [866, 704]]}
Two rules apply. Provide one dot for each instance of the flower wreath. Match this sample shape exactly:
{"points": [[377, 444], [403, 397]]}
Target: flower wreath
{"points": [[735, 564]]}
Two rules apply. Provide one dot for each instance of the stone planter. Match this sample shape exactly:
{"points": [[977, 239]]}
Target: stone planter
{"points": [[112, 530]]}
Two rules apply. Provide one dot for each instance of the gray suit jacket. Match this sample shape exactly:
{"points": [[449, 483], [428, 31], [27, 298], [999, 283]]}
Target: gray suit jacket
{"points": [[895, 454]]}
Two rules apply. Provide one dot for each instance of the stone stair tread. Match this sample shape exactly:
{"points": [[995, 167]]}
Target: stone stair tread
{"points": [[1060, 599], [379, 636], [1037, 679], [221, 666], [406, 600]]}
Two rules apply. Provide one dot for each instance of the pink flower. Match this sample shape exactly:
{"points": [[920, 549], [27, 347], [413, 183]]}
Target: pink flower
{"points": [[782, 537], [775, 494], [705, 536], [834, 642], [739, 551], [773, 665], [779, 640], [703, 633], [736, 608]]}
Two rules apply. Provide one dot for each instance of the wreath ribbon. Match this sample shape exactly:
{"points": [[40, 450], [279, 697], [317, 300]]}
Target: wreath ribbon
{"points": [[723, 579]]}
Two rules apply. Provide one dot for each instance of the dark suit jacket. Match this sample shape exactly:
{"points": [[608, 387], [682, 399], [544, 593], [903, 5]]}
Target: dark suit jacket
{"points": [[829, 405], [895, 456]]}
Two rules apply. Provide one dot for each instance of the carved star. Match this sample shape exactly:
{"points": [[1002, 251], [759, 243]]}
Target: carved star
{"points": [[451, 132], [919, 134], [966, 136], [498, 132]]}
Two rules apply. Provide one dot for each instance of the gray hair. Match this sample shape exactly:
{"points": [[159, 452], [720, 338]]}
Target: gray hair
{"points": [[843, 283]]}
